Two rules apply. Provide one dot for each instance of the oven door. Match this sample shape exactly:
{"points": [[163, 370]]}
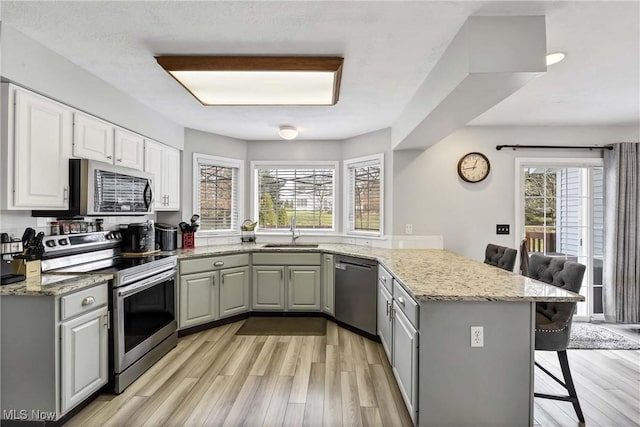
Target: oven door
{"points": [[144, 314]]}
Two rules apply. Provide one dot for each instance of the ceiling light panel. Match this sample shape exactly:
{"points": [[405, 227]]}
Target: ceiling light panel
{"points": [[257, 80]]}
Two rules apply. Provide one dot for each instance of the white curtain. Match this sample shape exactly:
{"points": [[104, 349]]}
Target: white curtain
{"points": [[622, 233]]}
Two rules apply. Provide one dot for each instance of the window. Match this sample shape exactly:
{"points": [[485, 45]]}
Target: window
{"points": [[305, 192], [216, 194], [363, 193]]}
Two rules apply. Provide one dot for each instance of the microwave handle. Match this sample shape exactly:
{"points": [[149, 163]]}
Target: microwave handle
{"points": [[148, 196]]}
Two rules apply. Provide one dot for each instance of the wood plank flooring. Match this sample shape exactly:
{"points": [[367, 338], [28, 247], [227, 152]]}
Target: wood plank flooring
{"points": [[217, 378]]}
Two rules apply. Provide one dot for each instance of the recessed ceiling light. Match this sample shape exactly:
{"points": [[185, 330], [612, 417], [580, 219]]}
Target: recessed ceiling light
{"points": [[288, 132], [257, 80], [555, 57]]}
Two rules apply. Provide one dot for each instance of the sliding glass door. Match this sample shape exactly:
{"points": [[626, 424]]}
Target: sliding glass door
{"points": [[561, 214]]}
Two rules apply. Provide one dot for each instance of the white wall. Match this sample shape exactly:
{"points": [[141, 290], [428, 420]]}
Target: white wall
{"points": [[428, 193], [33, 66]]}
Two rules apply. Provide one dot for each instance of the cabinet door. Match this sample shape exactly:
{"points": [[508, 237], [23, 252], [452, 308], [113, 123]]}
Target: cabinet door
{"points": [[328, 285], [405, 359], [384, 319], [171, 173], [304, 288], [92, 138], [42, 147], [268, 288], [129, 149], [84, 356], [154, 164], [198, 299], [234, 291]]}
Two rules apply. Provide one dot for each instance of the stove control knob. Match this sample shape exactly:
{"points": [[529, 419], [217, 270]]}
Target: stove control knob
{"points": [[51, 243], [63, 242]]}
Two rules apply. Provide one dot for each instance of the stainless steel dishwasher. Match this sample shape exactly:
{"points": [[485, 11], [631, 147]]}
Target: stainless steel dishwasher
{"points": [[356, 282]]}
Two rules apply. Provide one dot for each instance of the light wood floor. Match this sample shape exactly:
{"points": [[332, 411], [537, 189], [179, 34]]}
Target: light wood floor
{"points": [[217, 378]]}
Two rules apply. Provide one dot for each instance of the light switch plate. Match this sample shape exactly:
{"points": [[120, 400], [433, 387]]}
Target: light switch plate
{"points": [[502, 228]]}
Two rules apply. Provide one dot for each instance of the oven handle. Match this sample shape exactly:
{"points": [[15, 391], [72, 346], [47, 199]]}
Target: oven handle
{"points": [[145, 284]]}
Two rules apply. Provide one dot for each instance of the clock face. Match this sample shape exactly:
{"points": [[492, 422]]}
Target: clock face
{"points": [[473, 167]]}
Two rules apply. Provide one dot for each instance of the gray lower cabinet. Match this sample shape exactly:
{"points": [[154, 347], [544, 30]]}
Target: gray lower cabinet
{"points": [[328, 284], [198, 299], [211, 288], [54, 352], [84, 355], [405, 359], [234, 291], [303, 287], [385, 303], [285, 281], [268, 287]]}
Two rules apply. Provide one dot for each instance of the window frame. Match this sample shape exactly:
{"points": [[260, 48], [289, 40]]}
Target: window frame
{"points": [[201, 158], [255, 204], [348, 202]]}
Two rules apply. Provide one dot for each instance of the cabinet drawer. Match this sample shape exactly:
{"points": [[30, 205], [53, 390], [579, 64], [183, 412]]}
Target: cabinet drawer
{"points": [[198, 265], [83, 301], [406, 303], [285, 258], [385, 278]]}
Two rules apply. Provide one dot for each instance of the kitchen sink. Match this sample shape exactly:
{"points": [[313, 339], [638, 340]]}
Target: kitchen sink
{"points": [[290, 245]]}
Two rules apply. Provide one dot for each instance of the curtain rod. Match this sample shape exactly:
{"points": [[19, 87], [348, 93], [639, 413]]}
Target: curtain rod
{"points": [[564, 147]]}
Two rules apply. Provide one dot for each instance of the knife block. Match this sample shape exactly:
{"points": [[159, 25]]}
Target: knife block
{"points": [[28, 268]]}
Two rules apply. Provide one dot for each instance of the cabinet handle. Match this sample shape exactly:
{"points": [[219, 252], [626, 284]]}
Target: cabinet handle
{"points": [[167, 200], [222, 279], [281, 274], [388, 305], [88, 301], [384, 279], [109, 157], [289, 274], [214, 280], [120, 160], [65, 194], [392, 313], [401, 300], [218, 263]]}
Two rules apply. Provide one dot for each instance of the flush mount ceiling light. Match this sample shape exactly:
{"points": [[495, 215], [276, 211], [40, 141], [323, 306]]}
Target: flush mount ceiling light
{"points": [[257, 80], [288, 132], [555, 57]]}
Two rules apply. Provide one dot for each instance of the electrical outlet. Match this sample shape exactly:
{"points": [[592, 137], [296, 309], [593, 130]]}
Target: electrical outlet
{"points": [[408, 229], [502, 228], [477, 336]]}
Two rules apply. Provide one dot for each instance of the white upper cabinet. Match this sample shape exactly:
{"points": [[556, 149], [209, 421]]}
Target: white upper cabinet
{"points": [[95, 139], [164, 163], [41, 143], [92, 138], [128, 149]]}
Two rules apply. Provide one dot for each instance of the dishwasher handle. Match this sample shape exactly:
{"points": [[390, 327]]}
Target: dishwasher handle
{"points": [[343, 265]]}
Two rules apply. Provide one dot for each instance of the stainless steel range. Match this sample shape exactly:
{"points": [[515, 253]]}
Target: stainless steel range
{"points": [[142, 302]]}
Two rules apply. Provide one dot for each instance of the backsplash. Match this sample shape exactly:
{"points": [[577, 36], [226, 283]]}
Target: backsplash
{"points": [[14, 222]]}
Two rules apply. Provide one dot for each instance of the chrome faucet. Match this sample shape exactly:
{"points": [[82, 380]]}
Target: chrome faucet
{"points": [[294, 237]]}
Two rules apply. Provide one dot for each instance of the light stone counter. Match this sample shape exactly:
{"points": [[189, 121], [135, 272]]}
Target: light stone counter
{"points": [[54, 284], [428, 274]]}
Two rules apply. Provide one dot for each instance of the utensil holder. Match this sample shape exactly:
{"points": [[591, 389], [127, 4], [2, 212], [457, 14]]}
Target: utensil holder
{"points": [[188, 240]]}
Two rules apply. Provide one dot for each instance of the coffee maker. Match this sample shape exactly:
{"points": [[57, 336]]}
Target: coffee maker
{"points": [[138, 237]]}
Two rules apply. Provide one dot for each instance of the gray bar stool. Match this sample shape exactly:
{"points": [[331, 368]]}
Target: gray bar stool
{"points": [[553, 319], [500, 256]]}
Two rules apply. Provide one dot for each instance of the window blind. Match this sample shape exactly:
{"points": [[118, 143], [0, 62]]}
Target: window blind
{"points": [[217, 197], [364, 196], [304, 192]]}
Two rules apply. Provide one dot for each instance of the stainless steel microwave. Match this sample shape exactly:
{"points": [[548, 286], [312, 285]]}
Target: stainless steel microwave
{"points": [[101, 189]]}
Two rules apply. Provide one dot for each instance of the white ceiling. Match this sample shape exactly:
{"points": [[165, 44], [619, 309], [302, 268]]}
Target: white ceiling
{"points": [[389, 48]]}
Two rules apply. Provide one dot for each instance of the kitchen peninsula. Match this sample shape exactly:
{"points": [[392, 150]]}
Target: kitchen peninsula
{"points": [[437, 296]]}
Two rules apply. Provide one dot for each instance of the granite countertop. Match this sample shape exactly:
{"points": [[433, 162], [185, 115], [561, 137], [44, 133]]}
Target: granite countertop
{"points": [[54, 284], [427, 274]]}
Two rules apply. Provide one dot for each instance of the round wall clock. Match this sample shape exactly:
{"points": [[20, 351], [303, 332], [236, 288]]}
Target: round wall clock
{"points": [[473, 167]]}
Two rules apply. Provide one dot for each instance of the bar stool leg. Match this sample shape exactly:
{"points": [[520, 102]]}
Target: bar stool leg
{"points": [[566, 373]]}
